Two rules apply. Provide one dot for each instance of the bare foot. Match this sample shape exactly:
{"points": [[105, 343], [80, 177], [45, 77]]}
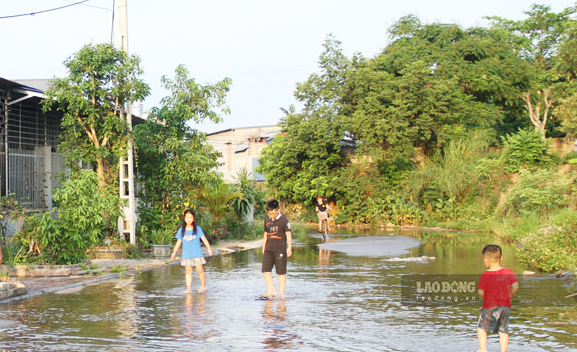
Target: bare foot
{"points": [[201, 290], [187, 291]]}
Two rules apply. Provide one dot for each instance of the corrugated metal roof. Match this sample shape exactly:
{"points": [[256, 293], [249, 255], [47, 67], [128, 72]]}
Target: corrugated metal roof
{"points": [[39, 84]]}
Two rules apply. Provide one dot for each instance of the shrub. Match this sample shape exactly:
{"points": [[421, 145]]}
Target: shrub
{"points": [[489, 168], [551, 248], [540, 191], [161, 236], [524, 150], [82, 216], [570, 158], [10, 209]]}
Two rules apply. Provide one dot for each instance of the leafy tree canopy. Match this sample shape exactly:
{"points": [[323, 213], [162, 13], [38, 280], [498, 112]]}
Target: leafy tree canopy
{"points": [[173, 160], [300, 162], [101, 80], [538, 40]]}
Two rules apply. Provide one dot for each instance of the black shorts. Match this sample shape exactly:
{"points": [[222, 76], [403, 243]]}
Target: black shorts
{"points": [[276, 259]]}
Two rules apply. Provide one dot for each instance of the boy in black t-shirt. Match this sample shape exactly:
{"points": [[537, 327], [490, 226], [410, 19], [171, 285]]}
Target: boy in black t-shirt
{"points": [[276, 247]]}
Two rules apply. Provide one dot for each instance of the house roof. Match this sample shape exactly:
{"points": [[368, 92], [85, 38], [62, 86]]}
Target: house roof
{"points": [[35, 88], [14, 84], [240, 128], [39, 84]]}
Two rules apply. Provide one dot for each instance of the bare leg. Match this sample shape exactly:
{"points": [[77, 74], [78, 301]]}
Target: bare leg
{"points": [[503, 341], [202, 277], [281, 285], [269, 284], [482, 337], [188, 278], [320, 225]]}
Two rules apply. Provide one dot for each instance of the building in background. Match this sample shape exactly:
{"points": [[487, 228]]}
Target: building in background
{"points": [[240, 149], [28, 141]]}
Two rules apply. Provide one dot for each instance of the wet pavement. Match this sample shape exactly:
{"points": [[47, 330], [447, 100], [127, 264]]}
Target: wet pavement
{"points": [[107, 269]]}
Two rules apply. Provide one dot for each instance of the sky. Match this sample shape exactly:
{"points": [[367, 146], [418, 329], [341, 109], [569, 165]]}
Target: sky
{"points": [[265, 47]]}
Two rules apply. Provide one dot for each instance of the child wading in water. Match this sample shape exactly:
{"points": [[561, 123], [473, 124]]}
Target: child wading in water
{"points": [[277, 247], [189, 235], [496, 286]]}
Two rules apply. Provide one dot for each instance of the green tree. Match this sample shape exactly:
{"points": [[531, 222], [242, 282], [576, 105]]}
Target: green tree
{"points": [[174, 162], [432, 84], [303, 160], [567, 88], [101, 80], [538, 39]]}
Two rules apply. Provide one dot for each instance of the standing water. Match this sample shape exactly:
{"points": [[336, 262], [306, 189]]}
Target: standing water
{"points": [[336, 301]]}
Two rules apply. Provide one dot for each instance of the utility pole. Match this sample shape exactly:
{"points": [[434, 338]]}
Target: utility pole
{"points": [[127, 225]]}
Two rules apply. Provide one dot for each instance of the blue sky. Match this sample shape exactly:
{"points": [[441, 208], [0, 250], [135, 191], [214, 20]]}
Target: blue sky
{"points": [[264, 46]]}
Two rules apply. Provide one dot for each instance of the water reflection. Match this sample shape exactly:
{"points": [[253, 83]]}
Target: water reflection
{"points": [[193, 318], [335, 302], [274, 314], [324, 260], [125, 293]]}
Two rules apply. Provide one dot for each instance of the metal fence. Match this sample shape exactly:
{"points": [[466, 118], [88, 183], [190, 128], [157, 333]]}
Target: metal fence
{"points": [[29, 176], [28, 138]]}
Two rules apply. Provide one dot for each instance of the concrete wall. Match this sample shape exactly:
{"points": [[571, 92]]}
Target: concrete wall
{"points": [[239, 148]]}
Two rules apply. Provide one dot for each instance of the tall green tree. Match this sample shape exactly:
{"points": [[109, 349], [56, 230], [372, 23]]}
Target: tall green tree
{"points": [[303, 160], [538, 39], [432, 84], [566, 67], [174, 162], [101, 80]]}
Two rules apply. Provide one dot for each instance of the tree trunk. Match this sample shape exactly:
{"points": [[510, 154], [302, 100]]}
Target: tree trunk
{"points": [[100, 173], [538, 120]]}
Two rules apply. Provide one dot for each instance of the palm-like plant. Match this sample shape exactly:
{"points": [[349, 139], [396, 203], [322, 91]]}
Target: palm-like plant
{"points": [[248, 194], [216, 199]]}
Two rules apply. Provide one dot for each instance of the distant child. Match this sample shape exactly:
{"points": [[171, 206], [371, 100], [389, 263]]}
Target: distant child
{"points": [[276, 247], [189, 235], [496, 286], [322, 210]]}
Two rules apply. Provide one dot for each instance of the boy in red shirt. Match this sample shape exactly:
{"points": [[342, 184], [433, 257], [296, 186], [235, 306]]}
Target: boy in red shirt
{"points": [[496, 286]]}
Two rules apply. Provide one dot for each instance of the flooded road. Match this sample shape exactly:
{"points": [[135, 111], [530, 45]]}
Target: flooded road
{"points": [[336, 301]]}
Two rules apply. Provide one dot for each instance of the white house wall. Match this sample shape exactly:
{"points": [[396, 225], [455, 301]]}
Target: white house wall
{"points": [[240, 148]]}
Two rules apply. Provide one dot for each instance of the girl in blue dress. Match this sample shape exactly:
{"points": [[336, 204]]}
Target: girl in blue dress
{"points": [[189, 236]]}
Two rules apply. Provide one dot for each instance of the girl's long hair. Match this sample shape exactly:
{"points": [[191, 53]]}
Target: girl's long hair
{"points": [[188, 211]]}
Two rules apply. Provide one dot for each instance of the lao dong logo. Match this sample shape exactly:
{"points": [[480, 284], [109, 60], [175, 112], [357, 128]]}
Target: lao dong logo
{"points": [[446, 287], [438, 289]]}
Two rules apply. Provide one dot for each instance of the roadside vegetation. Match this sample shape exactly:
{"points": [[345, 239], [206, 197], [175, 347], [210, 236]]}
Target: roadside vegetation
{"points": [[447, 126]]}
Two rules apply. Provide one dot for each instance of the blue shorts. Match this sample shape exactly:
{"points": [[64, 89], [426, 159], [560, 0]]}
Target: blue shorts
{"points": [[495, 319]]}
